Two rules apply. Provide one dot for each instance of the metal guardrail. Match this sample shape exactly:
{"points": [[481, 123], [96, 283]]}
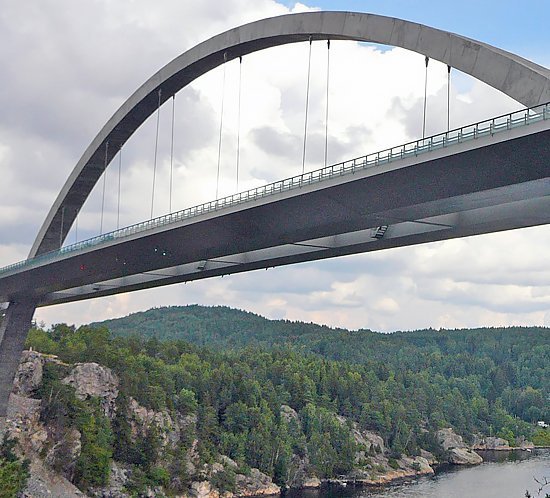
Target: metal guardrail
{"points": [[492, 126]]}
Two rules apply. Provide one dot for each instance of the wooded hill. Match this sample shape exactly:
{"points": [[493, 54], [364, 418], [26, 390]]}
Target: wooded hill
{"points": [[235, 370], [506, 367]]}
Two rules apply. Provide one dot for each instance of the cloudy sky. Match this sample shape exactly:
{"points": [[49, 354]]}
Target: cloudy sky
{"points": [[67, 66]]}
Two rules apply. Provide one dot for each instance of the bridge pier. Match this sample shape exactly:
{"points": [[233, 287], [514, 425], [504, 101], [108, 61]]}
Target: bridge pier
{"points": [[13, 333]]}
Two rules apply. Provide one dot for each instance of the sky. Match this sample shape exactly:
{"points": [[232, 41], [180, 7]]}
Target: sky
{"points": [[67, 66]]}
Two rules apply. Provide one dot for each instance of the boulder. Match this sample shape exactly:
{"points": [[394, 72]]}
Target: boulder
{"points": [[228, 463], [311, 483], [464, 456], [93, 380], [369, 439], [203, 489], [448, 439], [524, 444], [418, 465], [429, 457], [290, 415], [255, 484], [458, 451], [496, 443]]}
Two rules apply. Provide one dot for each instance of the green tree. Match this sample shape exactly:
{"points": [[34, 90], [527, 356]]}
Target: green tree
{"points": [[13, 471]]}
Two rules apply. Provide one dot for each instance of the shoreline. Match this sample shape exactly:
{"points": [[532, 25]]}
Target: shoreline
{"points": [[384, 481]]}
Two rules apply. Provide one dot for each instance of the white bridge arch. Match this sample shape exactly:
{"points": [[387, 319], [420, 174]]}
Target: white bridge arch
{"points": [[521, 79]]}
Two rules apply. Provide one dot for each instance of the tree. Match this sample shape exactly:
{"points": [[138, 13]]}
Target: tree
{"points": [[13, 471]]}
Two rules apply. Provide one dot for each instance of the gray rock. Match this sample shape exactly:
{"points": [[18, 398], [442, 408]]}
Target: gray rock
{"points": [[448, 439], [459, 453], [120, 474], [201, 489], [496, 443], [93, 380], [290, 415], [44, 483], [255, 484], [464, 456], [29, 374], [63, 455]]}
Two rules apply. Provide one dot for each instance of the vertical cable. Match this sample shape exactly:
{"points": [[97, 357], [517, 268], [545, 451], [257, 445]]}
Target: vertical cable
{"points": [[425, 98], [448, 97], [239, 120], [172, 151], [155, 160], [307, 107], [62, 223], [326, 110], [76, 230], [221, 128], [104, 183], [118, 196]]}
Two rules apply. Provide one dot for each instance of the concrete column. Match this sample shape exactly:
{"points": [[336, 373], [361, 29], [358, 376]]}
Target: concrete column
{"points": [[13, 333]]}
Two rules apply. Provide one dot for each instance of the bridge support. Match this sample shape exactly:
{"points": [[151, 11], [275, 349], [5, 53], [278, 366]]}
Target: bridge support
{"points": [[13, 333]]}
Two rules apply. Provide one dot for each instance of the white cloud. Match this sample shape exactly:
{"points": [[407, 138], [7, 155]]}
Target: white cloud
{"points": [[67, 67]]}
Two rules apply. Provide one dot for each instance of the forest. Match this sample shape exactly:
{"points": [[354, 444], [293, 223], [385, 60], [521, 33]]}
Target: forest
{"points": [[233, 371]]}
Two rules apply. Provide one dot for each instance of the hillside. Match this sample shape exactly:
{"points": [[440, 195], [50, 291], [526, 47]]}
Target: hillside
{"points": [[256, 403], [513, 356]]}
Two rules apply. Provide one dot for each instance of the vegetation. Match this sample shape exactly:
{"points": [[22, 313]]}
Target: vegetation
{"points": [[14, 472], [234, 370]]}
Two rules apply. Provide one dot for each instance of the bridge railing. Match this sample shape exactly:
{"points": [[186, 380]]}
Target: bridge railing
{"points": [[467, 133]]}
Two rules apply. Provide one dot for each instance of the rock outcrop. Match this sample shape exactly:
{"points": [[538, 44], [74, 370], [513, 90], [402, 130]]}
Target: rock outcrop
{"points": [[29, 374], [379, 472], [300, 473], [459, 453], [48, 476], [54, 451], [64, 453], [93, 380], [491, 443], [255, 484], [118, 479]]}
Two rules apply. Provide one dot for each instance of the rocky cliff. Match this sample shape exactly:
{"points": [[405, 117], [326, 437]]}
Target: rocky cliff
{"points": [[55, 450], [53, 453]]}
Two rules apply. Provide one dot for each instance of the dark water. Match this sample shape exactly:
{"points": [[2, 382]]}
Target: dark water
{"points": [[502, 475]]}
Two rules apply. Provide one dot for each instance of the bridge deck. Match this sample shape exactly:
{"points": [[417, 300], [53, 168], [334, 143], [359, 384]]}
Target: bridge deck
{"points": [[486, 177]]}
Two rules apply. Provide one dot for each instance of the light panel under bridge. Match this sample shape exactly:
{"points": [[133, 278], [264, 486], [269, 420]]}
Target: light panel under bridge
{"points": [[493, 178]]}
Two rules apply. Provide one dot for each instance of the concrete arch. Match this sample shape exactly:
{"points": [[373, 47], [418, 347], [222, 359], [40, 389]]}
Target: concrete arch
{"points": [[523, 80]]}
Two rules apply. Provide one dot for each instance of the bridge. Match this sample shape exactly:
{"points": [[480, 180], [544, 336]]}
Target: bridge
{"points": [[486, 177]]}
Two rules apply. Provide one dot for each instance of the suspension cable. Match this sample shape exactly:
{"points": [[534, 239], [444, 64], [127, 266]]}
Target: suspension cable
{"points": [[62, 223], [221, 127], [172, 151], [307, 107], [326, 110], [104, 183], [118, 196], [448, 98], [239, 120], [427, 60], [156, 150], [76, 229]]}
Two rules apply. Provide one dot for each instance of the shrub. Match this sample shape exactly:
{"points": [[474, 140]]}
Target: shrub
{"points": [[392, 462], [224, 480]]}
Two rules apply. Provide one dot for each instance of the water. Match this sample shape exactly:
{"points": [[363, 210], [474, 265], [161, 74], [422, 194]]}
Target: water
{"points": [[503, 475]]}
